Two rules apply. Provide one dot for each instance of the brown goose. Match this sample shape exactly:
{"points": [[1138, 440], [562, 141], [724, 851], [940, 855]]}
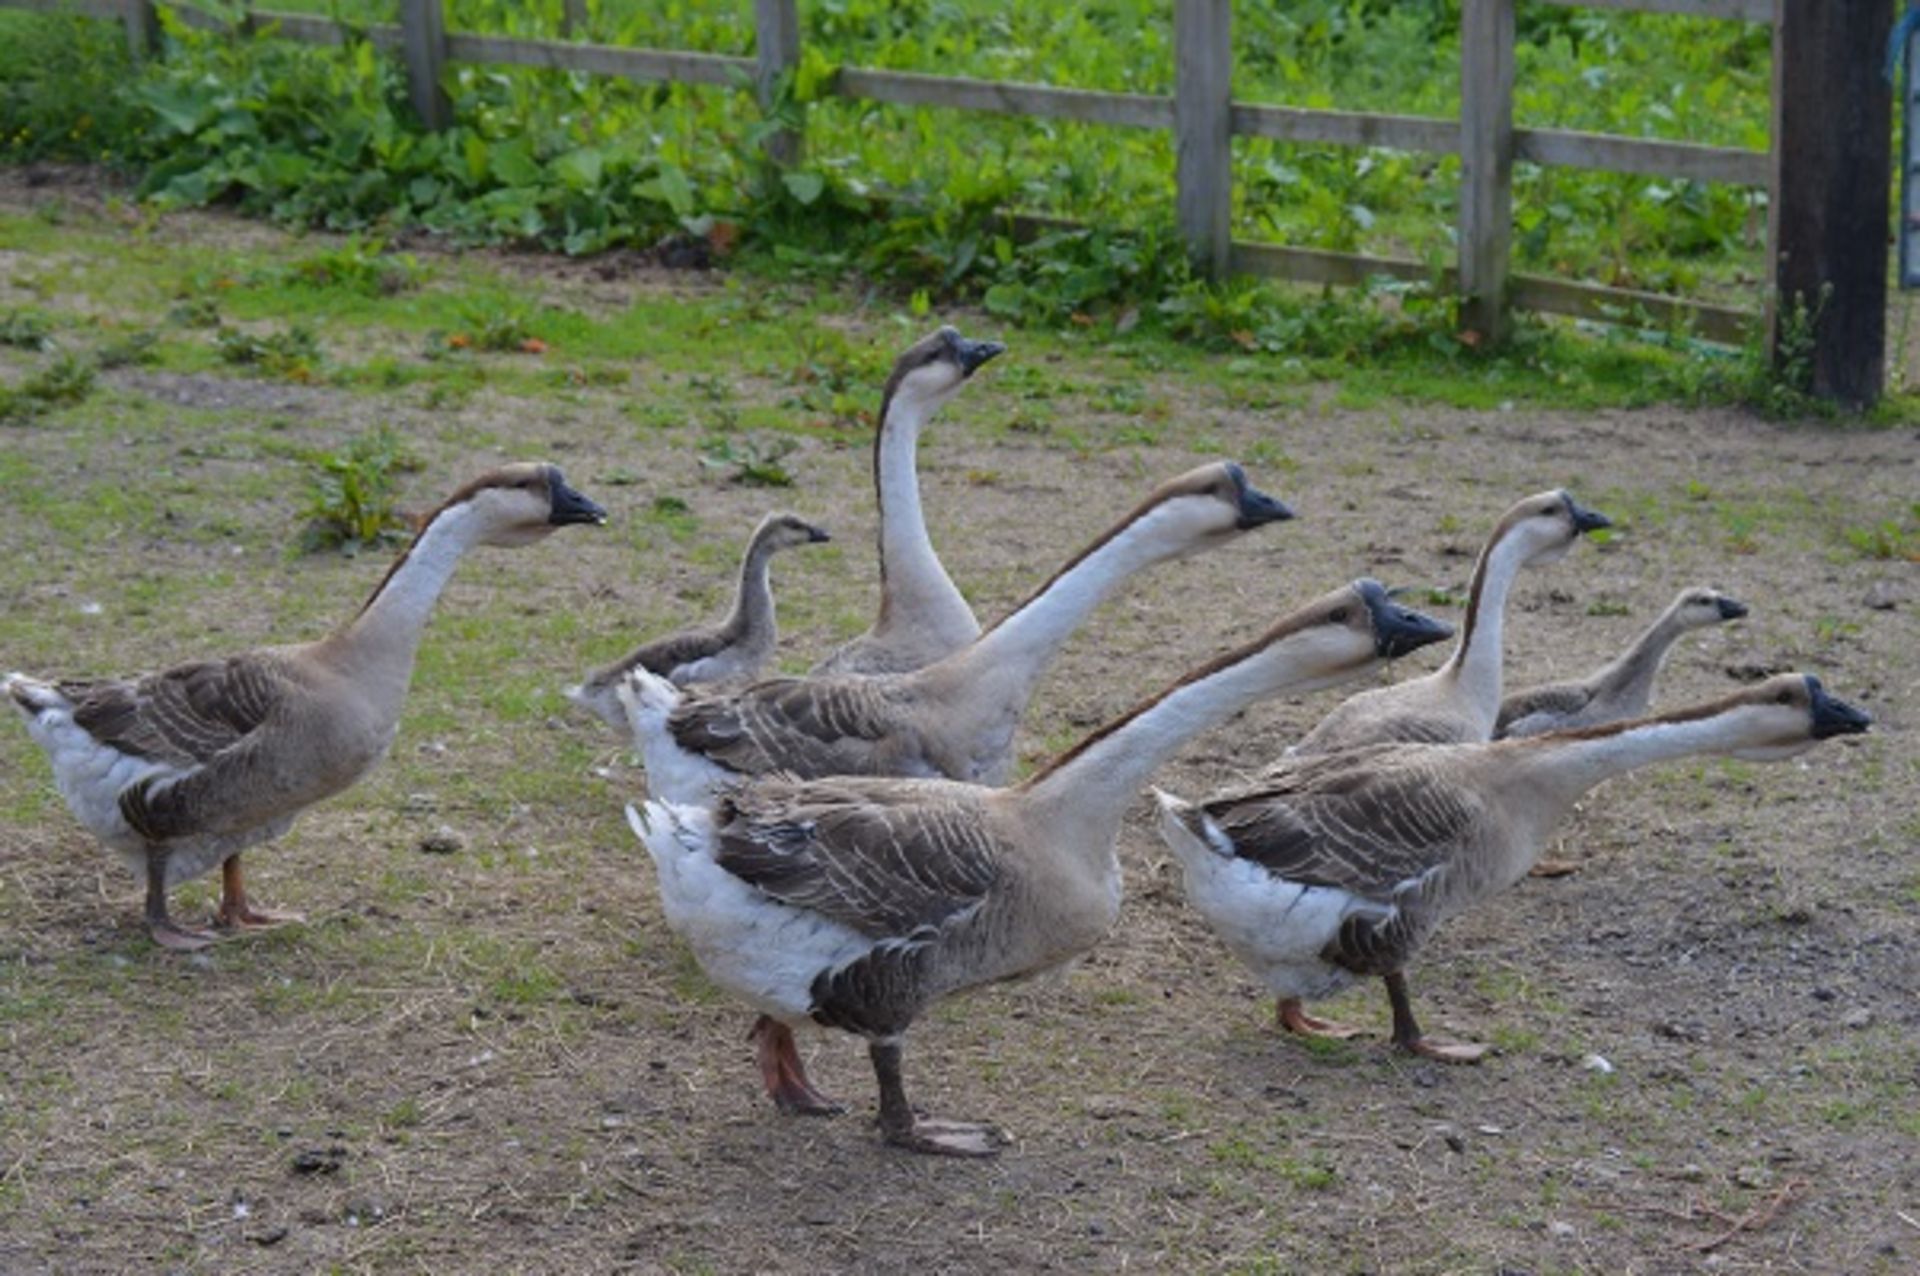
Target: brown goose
{"points": [[1622, 688], [734, 649], [954, 719], [181, 770], [1339, 866], [922, 615], [1459, 701], [858, 902]]}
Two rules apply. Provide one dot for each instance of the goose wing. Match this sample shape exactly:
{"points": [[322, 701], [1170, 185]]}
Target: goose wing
{"points": [[664, 655], [1555, 702], [803, 726], [185, 716], [1368, 821], [887, 858]]}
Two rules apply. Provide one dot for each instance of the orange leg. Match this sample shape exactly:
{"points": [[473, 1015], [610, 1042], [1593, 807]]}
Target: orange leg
{"points": [[1292, 1016], [781, 1071], [235, 912]]}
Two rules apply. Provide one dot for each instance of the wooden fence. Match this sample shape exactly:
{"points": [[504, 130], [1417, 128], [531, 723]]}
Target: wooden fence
{"points": [[1204, 120]]}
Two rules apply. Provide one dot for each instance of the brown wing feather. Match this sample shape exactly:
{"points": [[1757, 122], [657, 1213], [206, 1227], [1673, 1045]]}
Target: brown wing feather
{"points": [[1561, 698], [187, 715], [1365, 821], [884, 857], [805, 726], [663, 655]]}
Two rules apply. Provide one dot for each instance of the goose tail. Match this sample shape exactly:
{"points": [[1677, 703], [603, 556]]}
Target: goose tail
{"points": [[33, 696]]}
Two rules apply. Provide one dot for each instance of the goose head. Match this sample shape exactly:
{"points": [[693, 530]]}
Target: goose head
{"points": [[781, 530], [1350, 631], [1700, 607], [1546, 525], [933, 370], [1202, 508], [1787, 714], [521, 503]]}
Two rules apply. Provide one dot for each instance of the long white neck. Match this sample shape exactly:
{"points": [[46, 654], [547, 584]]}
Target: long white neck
{"points": [[752, 619], [1475, 662], [1562, 767], [1094, 784], [381, 641], [915, 589], [1004, 664], [1630, 676]]}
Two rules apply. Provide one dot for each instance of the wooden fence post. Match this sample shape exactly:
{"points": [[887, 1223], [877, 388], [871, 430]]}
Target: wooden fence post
{"points": [[573, 18], [1486, 164], [143, 27], [423, 34], [1833, 149], [1203, 130], [776, 27]]}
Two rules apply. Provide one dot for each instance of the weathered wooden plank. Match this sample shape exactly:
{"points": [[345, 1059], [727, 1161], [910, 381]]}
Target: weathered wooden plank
{"points": [[1738, 10], [1319, 265], [1486, 163], [1653, 158], [910, 88], [1348, 128], [1833, 141], [1203, 130], [79, 8], [302, 28], [423, 31], [776, 26], [603, 59], [1728, 325]]}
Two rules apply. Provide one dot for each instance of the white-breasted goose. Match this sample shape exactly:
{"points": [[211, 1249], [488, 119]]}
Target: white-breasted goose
{"points": [[1335, 867], [1459, 701], [923, 615], [180, 770], [733, 650]]}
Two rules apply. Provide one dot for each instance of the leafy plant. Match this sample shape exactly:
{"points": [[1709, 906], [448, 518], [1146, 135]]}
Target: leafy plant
{"points": [[133, 349], [25, 330], [291, 354], [350, 494], [360, 265], [67, 380], [751, 459]]}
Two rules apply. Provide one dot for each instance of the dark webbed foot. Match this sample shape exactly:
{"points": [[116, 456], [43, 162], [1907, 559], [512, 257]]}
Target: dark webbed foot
{"points": [[177, 938], [1408, 1037], [900, 1126]]}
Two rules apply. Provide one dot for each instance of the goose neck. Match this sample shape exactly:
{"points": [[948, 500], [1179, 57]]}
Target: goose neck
{"points": [[911, 576], [1475, 662], [1568, 765], [1632, 673], [385, 635], [752, 616]]}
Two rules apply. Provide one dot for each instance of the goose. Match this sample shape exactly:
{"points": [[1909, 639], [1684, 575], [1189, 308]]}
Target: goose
{"points": [[1459, 701], [1338, 866], [923, 616], [183, 769], [857, 902], [954, 719], [734, 649], [1622, 688]]}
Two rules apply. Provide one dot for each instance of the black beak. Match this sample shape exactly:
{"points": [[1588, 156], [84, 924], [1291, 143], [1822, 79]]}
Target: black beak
{"points": [[971, 354], [1585, 520], [817, 535], [570, 506], [1256, 507], [1832, 716], [1730, 608], [1398, 630]]}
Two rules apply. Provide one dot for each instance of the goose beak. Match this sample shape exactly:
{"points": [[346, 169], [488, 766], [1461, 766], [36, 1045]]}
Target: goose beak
{"points": [[818, 535], [1833, 716], [570, 506], [1730, 608], [971, 354], [1586, 520], [1256, 507], [1398, 630]]}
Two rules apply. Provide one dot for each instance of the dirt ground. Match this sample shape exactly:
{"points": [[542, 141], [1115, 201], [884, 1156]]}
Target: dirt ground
{"points": [[501, 1059]]}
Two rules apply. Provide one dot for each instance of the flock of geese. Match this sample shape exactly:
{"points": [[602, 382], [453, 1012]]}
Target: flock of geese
{"points": [[845, 848]]}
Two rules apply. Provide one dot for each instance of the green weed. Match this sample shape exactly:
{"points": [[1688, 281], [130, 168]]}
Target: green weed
{"points": [[292, 354], [753, 460], [351, 494], [26, 330]]}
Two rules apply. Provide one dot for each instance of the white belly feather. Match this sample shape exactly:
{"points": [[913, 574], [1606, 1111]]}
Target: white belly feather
{"points": [[765, 952]]}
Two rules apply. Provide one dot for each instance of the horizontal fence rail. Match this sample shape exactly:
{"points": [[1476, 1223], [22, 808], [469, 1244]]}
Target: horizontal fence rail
{"points": [[1439, 136]]}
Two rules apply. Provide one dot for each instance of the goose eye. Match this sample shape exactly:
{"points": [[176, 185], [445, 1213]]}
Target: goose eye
{"points": [[1338, 616], [1785, 697]]}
